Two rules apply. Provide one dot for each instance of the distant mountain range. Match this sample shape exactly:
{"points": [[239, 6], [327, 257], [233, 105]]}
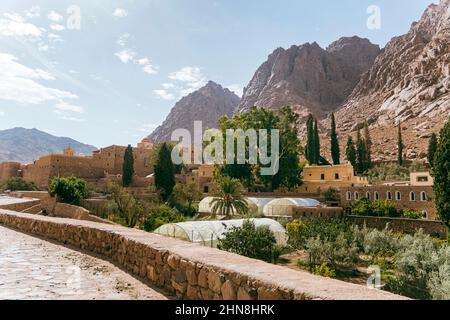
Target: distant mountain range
{"points": [[25, 145]]}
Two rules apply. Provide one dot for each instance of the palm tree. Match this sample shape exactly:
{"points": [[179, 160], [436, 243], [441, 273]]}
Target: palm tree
{"points": [[229, 200]]}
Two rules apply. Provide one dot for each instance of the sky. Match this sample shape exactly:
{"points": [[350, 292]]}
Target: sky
{"points": [[108, 72]]}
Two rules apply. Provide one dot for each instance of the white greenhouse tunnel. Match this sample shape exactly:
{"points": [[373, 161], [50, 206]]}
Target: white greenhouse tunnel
{"points": [[208, 233]]}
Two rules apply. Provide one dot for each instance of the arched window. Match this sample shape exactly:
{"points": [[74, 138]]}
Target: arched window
{"points": [[423, 196], [389, 195], [425, 214], [349, 196], [368, 195], [376, 195], [412, 196], [356, 195], [398, 195]]}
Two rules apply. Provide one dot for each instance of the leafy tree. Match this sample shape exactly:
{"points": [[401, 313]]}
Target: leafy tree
{"points": [[17, 184], [251, 241], [69, 190], [161, 215], [400, 146], [331, 194], [310, 155], [129, 209], [350, 152], [335, 152], [432, 146], [229, 199], [164, 172], [128, 167], [183, 196], [441, 174], [316, 144], [360, 154], [368, 144]]}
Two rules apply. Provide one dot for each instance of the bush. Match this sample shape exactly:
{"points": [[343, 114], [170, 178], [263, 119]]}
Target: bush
{"points": [[377, 208], [324, 271], [69, 190], [380, 244], [129, 209], [388, 171], [161, 215], [251, 241], [412, 214], [331, 195], [17, 184]]}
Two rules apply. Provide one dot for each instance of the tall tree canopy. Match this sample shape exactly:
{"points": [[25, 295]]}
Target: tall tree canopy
{"points": [[164, 172], [441, 174], [368, 144], [335, 152], [350, 152], [360, 154], [128, 167], [432, 146], [316, 143], [310, 155], [400, 145]]}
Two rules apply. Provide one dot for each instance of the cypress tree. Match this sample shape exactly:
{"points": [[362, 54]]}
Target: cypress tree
{"points": [[316, 143], [432, 146], [350, 152], [400, 145], [335, 152], [368, 142], [441, 174], [310, 143], [360, 154], [164, 172], [128, 167]]}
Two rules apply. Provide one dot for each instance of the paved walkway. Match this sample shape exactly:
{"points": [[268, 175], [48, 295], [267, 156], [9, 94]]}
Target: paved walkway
{"points": [[34, 269]]}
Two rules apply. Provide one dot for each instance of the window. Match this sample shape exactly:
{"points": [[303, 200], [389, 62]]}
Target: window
{"points": [[376, 195], [398, 195], [425, 214], [356, 195], [349, 196], [422, 179], [389, 195], [205, 189], [412, 196], [322, 176], [368, 195], [336, 176], [423, 196]]}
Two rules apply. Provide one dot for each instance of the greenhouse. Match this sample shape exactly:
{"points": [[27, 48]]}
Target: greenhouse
{"points": [[208, 233], [255, 205], [285, 206]]}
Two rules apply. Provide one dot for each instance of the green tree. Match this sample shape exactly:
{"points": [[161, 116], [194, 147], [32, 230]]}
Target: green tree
{"points": [[368, 144], [229, 200], [251, 241], [129, 209], [441, 174], [164, 172], [17, 184], [335, 152], [69, 190], [350, 152], [310, 144], [128, 167], [432, 146], [184, 197], [161, 215], [400, 145], [360, 154], [316, 143]]}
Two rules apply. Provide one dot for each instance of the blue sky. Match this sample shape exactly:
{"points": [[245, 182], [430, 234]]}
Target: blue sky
{"points": [[116, 77]]}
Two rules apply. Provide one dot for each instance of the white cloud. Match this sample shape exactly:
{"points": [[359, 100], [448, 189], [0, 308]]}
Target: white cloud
{"points": [[163, 94], [187, 80], [125, 55], [2, 113], [128, 55], [33, 12], [237, 89], [147, 128], [120, 13], [54, 37], [57, 27], [64, 106], [43, 47], [15, 25], [20, 84], [69, 118], [187, 74], [143, 61], [149, 69], [168, 85], [54, 16]]}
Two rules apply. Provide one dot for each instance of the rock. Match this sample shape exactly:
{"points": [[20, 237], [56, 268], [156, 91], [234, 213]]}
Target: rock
{"points": [[173, 261], [229, 291], [269, 294], [215, 281], [203, 278], [244, 293], [192, 293]]}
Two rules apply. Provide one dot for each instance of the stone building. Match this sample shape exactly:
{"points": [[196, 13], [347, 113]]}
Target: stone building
{"points": [[416, 194], [101, 164], [317, 179]]}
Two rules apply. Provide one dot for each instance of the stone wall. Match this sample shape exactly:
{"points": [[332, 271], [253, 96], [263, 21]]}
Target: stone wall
{"points": [[63, 210], [328, 213], [21, 206], [434, 228], [189, 271]]}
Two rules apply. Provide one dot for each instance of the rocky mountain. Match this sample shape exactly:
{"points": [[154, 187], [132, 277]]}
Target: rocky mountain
{"points": [[207, 104], [309, 78], [409, 83], [25, 145]]}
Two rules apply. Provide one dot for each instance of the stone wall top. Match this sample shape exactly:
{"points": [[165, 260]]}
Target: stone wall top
{"points": [[129, 244]]}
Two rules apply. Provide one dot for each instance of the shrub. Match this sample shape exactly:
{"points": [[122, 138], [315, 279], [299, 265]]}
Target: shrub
{"points": [[380, 244], [324, 271], [17, 184], [388, 171], [161, 215], [377, 208], [69, 190], [128, 208], [412, 214], [251, 241], [362, 207], [331, 194]]}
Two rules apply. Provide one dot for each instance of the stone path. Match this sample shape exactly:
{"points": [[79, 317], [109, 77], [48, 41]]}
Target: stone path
{"points": [[34, 269]]}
